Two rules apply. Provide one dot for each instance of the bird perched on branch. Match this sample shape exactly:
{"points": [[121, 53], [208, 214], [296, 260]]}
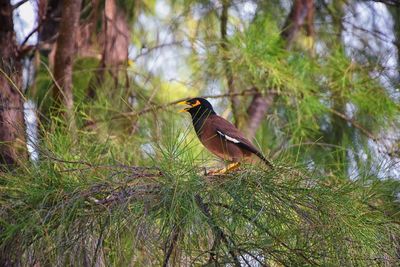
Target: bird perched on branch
{"points": [[220, 136]]}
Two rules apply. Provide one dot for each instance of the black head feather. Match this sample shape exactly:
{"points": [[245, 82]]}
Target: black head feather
{"points": [[199, 109], [198, 106]]}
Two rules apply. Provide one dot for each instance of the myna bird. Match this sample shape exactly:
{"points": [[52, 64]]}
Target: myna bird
{"points": [[220, 136]]}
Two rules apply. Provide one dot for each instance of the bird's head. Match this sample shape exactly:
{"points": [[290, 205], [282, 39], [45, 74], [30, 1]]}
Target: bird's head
{"points": [[197, 106]]}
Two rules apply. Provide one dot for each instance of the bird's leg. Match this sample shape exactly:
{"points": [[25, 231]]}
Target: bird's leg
{"points": [[233, 166], [229, 168]]}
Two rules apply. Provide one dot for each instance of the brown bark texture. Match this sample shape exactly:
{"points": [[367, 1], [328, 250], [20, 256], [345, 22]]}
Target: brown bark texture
{"points": [[116, 36], [49, 12], [114, 39], [64, 57], [256, 112], [301, 15], [12, 134]]}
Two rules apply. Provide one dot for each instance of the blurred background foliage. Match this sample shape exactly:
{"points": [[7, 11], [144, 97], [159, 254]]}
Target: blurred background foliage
{"points": [[117, 178]]}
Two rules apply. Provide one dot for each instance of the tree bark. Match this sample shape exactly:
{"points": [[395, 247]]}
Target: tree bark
{"points": [[12, 134], [301, 15], [115, 40], [49, 18], [64, 58], [49, 12], [235, 102], [256, 112]]}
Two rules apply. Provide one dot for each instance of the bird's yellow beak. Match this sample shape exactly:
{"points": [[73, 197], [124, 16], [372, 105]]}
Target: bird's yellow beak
{"points": [[183, 103], [192, 105]]}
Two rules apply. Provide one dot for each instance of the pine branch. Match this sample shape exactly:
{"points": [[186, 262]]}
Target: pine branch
{"points": [[354, 123], [219, 234], [154, 108], [172, 242], [266, 230]]}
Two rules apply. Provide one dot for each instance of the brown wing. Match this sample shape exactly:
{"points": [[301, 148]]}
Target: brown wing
{"points": [[217, 144], [231, 134]]}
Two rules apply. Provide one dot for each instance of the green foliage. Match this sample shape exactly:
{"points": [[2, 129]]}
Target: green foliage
{"points": [[318, 97], [127, 186], [86, 201]]}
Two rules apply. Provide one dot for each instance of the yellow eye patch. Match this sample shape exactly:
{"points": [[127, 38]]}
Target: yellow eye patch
{"points": [[196, 104]]}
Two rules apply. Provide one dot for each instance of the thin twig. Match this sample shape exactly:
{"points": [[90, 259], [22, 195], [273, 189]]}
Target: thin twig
{"points": [[255, 258], [100, 240], [248, 218], [173, 239], [217, 230], [354, 123], [154, 108], [20, 3], [30, 35], [315, 144], [152, 49], [278, 150], [125, 194]]}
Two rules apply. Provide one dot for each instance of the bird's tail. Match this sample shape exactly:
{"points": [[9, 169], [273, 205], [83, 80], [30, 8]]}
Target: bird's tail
{"points": [[267, 162], [257, 153]]}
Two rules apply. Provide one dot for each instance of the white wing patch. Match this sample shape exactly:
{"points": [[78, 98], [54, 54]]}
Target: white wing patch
{"points": [[227, 137]]}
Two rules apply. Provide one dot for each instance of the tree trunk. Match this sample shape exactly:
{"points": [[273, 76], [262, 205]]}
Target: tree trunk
{"points": [[49, 12], [256, 112], [301, 15], [235, 102], [64, 57], [12, 134], [49, 17], [115, 39]]}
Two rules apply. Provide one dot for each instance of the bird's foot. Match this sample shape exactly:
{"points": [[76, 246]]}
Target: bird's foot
{"points": [[212, 172], [229, 168]]}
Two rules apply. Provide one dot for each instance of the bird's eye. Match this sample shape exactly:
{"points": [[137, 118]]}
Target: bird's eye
{"points": [[195, 103]]}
